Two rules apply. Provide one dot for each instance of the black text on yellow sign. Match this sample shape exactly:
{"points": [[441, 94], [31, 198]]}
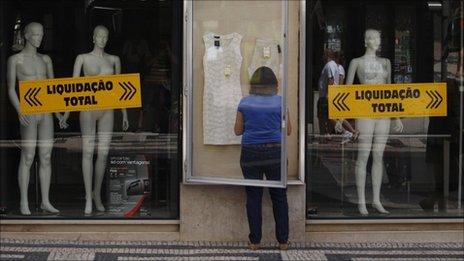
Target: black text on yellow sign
{"points": [[80, 93], [387, 100]]}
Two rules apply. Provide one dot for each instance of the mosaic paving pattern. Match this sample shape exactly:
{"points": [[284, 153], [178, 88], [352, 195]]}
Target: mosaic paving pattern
{"points": [[14, 249]]}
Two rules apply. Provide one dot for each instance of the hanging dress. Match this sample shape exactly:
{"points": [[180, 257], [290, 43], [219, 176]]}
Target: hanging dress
{"points": [[222, 88], [267, 54]]}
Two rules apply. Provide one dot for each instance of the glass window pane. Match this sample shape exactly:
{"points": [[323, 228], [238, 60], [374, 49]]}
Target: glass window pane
{"points": [[362, 167], [237, 91], [94, 167]]}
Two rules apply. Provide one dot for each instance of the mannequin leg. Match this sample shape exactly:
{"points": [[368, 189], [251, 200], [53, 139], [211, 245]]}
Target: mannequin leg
{"points": [[28, 144], [382, 128], [105, 131], [45, 131], [366, 126], [87, 122]]}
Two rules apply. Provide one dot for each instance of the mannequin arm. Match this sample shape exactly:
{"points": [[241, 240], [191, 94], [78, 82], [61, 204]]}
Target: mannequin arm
{"points": [[351, 71], [125, 120], [51, 75], [78, 66], [117, 65], [48, 62], [389, 80], [62, 119], [11, 82], [398, 127], [117, 70]]}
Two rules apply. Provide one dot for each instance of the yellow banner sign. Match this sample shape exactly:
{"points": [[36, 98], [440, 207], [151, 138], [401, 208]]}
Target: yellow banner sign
{"points": [[80, 93], [387, 100]]}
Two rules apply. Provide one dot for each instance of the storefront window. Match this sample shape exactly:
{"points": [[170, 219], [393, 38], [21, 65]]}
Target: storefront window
{"points": [[121, 163], [237, 70], [401, 166]]}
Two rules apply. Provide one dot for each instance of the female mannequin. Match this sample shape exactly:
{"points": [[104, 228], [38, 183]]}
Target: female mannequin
{"points": [[34, 129], [371, 69], [96, 62]]}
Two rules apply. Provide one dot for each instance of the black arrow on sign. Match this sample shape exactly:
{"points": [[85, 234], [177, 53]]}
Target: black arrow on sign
{"points": [[31, 97], [343, 101], [25, 97], [431, 97], [439, 97], [125, 91], [339, 101], [129, 91], [333, 101], [35, 96], [435, 99], [134, 89]]}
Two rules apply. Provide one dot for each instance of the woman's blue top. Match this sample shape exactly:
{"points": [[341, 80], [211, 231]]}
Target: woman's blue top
{"points": [[262, 115]]}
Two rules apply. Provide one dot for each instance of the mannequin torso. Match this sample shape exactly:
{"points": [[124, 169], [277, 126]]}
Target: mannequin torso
{"points": [[32, 67], [372, 70], [98, 65]]}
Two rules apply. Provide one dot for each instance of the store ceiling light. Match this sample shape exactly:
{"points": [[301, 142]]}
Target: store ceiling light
{"points": [[434, 5]]}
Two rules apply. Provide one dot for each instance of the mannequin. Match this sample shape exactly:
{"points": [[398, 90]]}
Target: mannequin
{"points": [[97, 122], [31, 65], [371, 69]]}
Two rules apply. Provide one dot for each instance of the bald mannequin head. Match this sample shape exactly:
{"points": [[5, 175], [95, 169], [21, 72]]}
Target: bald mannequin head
{"points": [[100, 36], [31, 26], [100, 28], [33, 33], [372, 39]]}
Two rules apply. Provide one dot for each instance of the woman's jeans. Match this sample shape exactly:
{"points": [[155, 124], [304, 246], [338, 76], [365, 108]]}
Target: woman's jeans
{"points": [[257, 160]]}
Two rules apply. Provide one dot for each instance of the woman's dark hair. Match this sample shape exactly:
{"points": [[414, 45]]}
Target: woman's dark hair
{"points": [[263, 82]]}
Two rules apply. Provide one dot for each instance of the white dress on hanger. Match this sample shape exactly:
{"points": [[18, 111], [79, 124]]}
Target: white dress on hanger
{"points": [[222, 88], [266, 53]]}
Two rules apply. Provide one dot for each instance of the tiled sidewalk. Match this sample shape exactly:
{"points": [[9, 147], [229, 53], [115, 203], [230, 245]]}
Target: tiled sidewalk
{"points": [[14, 249]]}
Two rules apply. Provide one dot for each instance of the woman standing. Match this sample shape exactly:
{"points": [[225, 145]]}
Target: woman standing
{"points": [[259, 121]]}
